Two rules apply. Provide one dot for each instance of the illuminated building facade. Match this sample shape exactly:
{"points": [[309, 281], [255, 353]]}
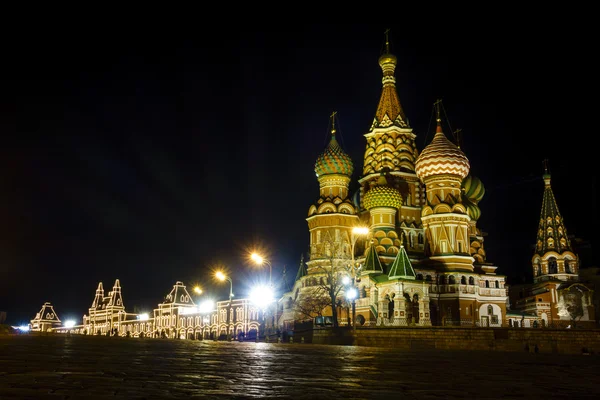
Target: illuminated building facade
{"points": [[558, 297], [423, 261], [178, 316], [45, 320]]}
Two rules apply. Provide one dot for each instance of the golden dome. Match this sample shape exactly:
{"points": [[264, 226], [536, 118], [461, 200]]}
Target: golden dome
{"points": [[382, 195]]}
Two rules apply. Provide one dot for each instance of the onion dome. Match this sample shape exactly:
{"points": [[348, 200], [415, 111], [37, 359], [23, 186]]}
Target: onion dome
{"points": [[334, 160], [441, 157], [472, 209], [473, 188], [382, 195]]}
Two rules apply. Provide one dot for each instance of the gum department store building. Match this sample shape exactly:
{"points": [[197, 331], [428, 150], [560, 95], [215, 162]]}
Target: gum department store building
{"points": [[423, 262]]}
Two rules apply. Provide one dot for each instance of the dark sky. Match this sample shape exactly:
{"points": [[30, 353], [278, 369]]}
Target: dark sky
{"points": [[153, 155]]}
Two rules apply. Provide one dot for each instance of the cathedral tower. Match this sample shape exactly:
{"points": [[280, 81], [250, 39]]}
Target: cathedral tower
{"points": [[391, 153], [554, 257], [442, 166], [332, 217]]}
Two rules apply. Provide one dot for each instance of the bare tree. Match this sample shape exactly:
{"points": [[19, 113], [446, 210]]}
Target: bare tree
{"points": [[312, 302], [338, 261]]}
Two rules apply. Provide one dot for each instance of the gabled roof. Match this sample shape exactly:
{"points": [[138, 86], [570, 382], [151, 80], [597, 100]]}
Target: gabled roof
{"points": [[115, 297], [372, 262], [46, 314], [98, 298], [179, 296], [402, 267]]}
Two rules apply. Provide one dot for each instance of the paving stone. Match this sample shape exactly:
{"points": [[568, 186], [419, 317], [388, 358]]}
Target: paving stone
{"points": [[96, 367]]}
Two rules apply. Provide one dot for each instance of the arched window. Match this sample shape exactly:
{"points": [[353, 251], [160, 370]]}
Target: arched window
{"points": [[419, 277], [463, 280], [487, 283], [442, 280], [497, 283], [428, 278], [451, 279], [471, 280], [552, 266], [567, 267], [490, 310]]}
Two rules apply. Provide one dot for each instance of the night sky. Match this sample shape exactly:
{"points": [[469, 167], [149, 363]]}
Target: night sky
{"points": [[154, 156]]}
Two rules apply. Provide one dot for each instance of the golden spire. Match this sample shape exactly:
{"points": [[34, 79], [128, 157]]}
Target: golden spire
{"points": [[389, 111]]}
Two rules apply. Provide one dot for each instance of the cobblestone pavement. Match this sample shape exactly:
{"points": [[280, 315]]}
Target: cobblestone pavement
{"points": [[93, 367]]}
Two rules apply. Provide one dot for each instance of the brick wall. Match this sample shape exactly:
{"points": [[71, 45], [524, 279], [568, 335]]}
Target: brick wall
{"points": [[566, 341]]}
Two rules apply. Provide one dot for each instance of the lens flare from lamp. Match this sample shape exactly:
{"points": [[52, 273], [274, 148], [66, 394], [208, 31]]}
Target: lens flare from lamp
{"points": [[143, 317], [69, 323], [346, 280], [261, 296], [351, 293], [206, 306]]}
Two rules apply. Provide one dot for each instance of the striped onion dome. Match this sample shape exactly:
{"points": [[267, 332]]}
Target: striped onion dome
{"points": [[382, 195], [473, 188], [441, 157], [334, 160], [473, 210]]}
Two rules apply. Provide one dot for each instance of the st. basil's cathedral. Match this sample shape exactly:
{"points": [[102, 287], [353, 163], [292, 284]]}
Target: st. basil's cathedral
{"points": [[423, 261]]}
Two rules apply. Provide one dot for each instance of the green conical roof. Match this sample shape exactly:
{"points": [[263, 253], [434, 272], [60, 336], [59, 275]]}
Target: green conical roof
{"points": [[301, 268], [402, 267], [372, 261]]}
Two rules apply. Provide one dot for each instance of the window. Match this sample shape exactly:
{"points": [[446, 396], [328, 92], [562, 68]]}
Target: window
{"points": [[490, 310], [471, 280], [463, 280], [497, 284], [487, 283]]}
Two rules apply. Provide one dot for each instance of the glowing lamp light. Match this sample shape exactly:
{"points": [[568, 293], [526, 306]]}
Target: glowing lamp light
{"points": [[23, 328], [143, 317], [261, 296], [220, 276], [198, 290], [351, 293], [257, 258], [206, 306], [69, 323], [360, 230], [346, 280]]}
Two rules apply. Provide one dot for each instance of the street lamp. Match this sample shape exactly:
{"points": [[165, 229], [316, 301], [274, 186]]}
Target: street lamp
{"points": [[222, 277], [258, 259], [352, 293], [197, 290]]}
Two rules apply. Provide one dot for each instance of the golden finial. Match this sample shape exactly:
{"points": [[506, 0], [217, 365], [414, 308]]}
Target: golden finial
{"points": [[333, 114], [437, 110], [457, 134], [545, 162], [387, 41]]}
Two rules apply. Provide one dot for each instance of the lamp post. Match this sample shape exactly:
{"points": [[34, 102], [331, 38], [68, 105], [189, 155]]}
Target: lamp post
{"points": [[258, 259], [353, 293], [222, 277]]}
